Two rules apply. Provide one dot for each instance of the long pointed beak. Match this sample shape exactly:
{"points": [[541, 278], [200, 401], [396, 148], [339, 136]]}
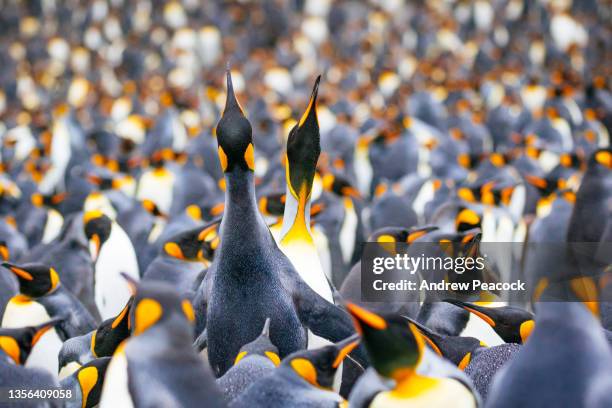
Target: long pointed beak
{"points": [[231, 102], [311, 110], [477, 310], [20, 273], [43, 328], [344, 347]]}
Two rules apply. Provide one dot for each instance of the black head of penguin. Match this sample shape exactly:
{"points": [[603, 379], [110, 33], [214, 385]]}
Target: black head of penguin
{"points": [[35, 279], [97, 227], [318, 366], [272, 204], [111, 332], [157, 304], [394, 345], [339, 185], [90, 378], [234, 135], [18, 343], [189, 245], [261, 346], [303, 149], [40, 200], [512, 324], [152, 208], [458, 349]]}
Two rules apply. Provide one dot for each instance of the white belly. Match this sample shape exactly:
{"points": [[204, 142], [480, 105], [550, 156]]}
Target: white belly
{"points": [[447, 393], [45, 352], [348, 230], [53, 226], [478, 328], [305, 259], [115, 392], [111, 290]]}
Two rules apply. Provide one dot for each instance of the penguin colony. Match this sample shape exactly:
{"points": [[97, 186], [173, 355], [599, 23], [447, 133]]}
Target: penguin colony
{"points": [[180, 231]]}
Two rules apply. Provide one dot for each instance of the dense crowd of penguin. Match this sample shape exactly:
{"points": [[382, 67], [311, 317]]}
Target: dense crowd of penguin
{"points": [[186, 189]]}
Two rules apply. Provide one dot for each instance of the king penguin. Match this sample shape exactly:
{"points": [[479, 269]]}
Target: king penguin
{"points": [[113, 253], [157, 365], [86, 384], [254, 361], [15, 348], [42, 297], [251, 268], [304, 379], [296, 241], [102, 342], [567, 361], [397, 351]]}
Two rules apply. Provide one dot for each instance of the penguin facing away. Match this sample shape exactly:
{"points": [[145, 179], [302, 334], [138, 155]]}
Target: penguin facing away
{"points": [[254, 361], [303, 378]]}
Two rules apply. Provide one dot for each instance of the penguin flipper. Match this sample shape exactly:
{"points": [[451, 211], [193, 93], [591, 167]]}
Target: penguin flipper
{"points": [[201, 342], [324, 318]]}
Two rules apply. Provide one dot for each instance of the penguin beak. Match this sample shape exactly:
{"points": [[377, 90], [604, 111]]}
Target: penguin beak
{"points": [[344, 347], [363, 317], [20, 273], [94, 247], [419, 233], [310, 114], [477, 310], [43, 328]]}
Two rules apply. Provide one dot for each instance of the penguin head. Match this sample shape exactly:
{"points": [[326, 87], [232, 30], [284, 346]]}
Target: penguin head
{"points": [[394, 345], [35, 279], [18, 343], [157, 304], [111, 332], [458, 349], [90, 378], [234, 135], [388, 237], [303, 149], [319, 366], [512, 324], [261, 346], [40, 200], [97, 230]]}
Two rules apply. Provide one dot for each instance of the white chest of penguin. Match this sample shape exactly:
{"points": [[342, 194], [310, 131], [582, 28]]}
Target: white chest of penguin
{"points": [[441, 392], [20, 313], [116, 255]]}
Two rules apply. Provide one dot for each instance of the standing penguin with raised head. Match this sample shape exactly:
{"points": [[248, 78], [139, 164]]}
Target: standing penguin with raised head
{"points": [[296, 240], [252, 269]]}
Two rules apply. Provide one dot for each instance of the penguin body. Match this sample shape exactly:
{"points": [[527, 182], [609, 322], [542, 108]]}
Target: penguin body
{"points": [[486, 362], [113, 253]]}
